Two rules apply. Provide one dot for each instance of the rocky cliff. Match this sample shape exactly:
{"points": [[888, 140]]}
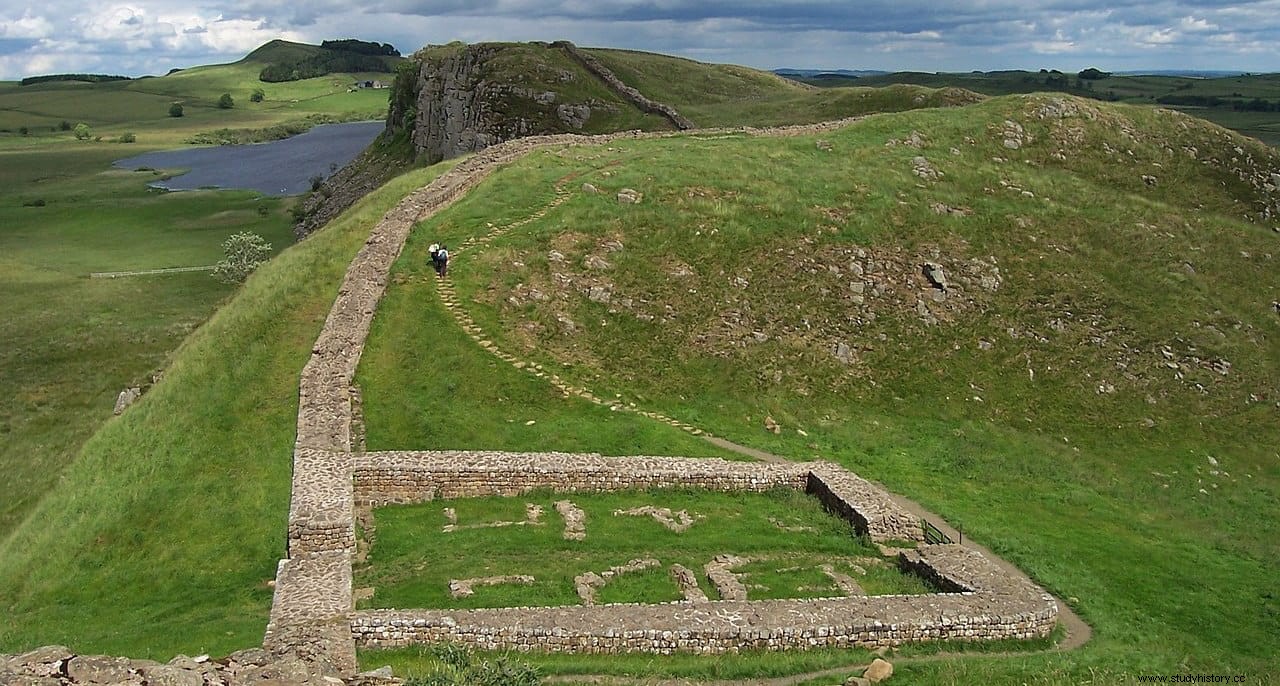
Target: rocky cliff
{"points": [[466, 98], [456, 99]]}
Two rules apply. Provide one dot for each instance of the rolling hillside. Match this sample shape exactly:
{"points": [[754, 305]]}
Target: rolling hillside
{"points": [[1247, 103], [1050, 319]]}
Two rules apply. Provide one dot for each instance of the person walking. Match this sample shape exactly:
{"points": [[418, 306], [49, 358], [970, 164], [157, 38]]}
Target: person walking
{"points": [[435, 256], [442, 260]]}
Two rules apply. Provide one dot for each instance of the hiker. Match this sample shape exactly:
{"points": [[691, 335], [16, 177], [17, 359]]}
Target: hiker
{"points": [[435, 256], [442, 260]]}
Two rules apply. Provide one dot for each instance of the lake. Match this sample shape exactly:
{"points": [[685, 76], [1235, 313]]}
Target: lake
{"points": [[282, 167]]}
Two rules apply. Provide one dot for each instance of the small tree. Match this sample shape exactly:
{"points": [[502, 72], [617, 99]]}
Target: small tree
{"points": [[258, 95], [64, 125], [83, 132], [24, 130], [127, 138], [225, 102], [244, 252], [175, 109]]}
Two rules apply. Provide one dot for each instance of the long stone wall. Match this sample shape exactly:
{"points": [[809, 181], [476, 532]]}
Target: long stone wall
{"points": [[635, 97]]}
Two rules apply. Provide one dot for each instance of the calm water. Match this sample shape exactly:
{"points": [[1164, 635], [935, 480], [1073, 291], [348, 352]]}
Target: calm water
{"points": [[283, 167]]}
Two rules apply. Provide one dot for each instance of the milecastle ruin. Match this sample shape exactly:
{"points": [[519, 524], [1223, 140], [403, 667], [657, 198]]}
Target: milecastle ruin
{"points": [[313, 612]]}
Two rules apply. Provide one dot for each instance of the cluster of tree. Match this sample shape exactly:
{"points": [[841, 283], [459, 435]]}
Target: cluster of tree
{"points": [[322, 63], [90, 78], [1092, 74], [361, 47], [1241, 105]]}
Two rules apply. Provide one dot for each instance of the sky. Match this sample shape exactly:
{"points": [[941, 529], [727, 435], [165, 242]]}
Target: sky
{"points": [[154, 36]]}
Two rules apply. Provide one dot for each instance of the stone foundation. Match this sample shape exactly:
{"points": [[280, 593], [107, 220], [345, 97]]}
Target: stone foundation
{"points": [[992, 606]]}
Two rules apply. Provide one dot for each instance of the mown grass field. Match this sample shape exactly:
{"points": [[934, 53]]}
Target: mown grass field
{"points": [[1067, 419], [414, 557]]}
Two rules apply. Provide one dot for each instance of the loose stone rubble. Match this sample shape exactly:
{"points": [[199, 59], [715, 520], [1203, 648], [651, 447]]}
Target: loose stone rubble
{"points": [[575, 520], [678, 522]]}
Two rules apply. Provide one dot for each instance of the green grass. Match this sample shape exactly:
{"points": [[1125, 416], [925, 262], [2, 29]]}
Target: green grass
{"points": [[413, 558], [72, 343], [1015, 443], [131, 553]]}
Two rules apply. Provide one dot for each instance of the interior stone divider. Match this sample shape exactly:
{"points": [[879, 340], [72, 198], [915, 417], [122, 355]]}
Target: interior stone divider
{"points": [[321, 511]]}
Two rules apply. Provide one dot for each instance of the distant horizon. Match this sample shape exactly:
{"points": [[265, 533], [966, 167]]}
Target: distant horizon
{"points": [[1154, 71], [149, 37]]}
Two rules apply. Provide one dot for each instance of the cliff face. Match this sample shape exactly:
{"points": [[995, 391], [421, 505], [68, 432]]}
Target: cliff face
{"points": [[465, 100], [457, 99]]}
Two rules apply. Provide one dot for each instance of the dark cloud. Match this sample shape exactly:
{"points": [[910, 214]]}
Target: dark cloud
{"points": [[890, 34]]}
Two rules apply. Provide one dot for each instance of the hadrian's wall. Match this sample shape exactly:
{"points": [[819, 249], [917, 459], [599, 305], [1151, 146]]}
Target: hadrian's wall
{"points": [[312, 608]]}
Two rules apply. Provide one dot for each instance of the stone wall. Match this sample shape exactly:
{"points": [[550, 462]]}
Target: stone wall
{"points": [[407, 477], [631, 95], [998, 606]]}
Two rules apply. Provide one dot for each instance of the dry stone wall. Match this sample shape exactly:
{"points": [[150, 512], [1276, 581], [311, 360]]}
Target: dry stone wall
{"points": [[635, 97]]}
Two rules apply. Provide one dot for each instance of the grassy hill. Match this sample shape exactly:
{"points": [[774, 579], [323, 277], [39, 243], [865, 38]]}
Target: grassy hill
{"points": [[1230, 101], [1093, 396], [730, 95]]}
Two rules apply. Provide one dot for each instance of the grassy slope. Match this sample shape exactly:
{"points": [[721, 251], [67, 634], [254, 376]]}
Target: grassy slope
{"points": [[132, 553], [74, 343], [1057, 476], [729, 95], [71, 343]]}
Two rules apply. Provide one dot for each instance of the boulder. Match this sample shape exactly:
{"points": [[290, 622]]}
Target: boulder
{"points": [[126, 398], [937, 278], [166, 675], [878, 671], [45, 661], [100, 669], [629, 196]]}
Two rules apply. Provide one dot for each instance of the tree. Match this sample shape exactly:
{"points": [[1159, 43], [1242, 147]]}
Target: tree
{"points": [[127, 138], [175, 110], [83, 132], [258, 95], [24, 130], [244, 252], [225, 102], [1093, 74]]}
